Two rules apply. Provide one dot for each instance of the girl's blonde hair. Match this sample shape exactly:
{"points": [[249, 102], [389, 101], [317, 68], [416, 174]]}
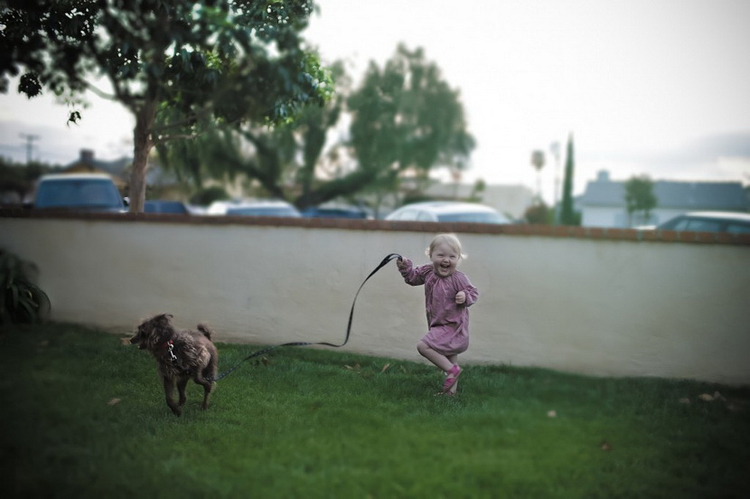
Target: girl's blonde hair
{"points": [[451, 240]]}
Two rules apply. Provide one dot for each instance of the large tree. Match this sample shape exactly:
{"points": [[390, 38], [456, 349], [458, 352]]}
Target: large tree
{"points": [[406, 117], [403, 116], [185, 65], [284, 159]]}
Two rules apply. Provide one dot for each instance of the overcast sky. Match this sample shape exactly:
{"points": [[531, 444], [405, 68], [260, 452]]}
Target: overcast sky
{"points": [[657, 87]]}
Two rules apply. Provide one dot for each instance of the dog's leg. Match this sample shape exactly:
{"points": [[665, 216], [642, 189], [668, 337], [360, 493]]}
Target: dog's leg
{"points": [[181, 384], [208, 372], [168, 393], [207, 387]]}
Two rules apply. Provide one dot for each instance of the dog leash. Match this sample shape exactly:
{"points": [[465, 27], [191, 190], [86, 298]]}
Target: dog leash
{"points": [[382, 264]]}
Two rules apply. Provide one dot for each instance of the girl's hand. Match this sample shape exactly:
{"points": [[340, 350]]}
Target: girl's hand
{"points": [[460, 298], [400, 263]]}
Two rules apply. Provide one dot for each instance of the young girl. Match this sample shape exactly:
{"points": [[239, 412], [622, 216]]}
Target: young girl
{"points": [[448, 294]]}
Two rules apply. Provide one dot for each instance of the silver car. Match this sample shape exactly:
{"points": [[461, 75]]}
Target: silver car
{"points": [[709, 221], [448, 211], [248, 208]]}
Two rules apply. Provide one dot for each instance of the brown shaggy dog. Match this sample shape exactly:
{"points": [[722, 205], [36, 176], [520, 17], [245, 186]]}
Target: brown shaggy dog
{"points": [[180, 355]]}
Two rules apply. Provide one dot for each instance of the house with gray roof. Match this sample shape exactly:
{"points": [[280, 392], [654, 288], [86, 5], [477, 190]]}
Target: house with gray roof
{"points": [[603, 202]]}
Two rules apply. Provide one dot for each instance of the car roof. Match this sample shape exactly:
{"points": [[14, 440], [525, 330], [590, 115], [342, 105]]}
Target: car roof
{"points": [[220, 207], [722, 215], [261, 203], [75, 176], [450, 206]]}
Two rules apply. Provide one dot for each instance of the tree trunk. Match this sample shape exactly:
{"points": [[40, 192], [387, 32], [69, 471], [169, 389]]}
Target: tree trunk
{"points": [[142, 144]]}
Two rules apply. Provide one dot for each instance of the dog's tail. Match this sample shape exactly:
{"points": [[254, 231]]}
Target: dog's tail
{"points": [[207, 332]]}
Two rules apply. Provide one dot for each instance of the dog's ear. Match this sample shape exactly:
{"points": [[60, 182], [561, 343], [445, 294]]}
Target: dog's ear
{"points": [[163, 319]]}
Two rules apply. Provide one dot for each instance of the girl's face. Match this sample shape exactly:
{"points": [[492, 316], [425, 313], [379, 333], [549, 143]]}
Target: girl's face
{"points": [[444, 259]]}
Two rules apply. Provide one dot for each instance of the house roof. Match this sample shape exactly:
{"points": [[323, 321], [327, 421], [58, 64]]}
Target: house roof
{"points": [[119, 169], [87, 162], [729, 196]]}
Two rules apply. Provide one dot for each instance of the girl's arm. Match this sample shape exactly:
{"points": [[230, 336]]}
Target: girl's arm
{"points": [[411, 275], [471, 293]]}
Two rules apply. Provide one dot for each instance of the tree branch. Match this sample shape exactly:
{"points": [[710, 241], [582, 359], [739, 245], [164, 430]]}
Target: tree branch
{"points": [[160, 139], [99, 92], [120, 94]]}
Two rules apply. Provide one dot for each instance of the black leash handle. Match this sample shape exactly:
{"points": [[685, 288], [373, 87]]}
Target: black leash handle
{"points": [[382, 264]]}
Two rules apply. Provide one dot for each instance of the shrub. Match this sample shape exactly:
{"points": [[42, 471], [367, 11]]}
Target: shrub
{"points": [[206, 196], [22, 300], [539, 214]]}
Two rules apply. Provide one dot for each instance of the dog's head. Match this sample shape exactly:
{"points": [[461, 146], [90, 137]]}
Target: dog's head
{"points": [[152, 331]]}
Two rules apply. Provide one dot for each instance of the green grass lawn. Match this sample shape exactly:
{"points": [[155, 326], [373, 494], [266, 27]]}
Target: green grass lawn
{"points": [[84, 416]]}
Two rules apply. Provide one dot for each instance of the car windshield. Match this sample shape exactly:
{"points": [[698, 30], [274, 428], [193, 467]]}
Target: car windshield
{"points": [[84, 193], [263, 212], [480, 217]]}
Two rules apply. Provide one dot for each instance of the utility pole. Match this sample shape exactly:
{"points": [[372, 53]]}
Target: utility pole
{"points": [[555, 150], [29, 145]]}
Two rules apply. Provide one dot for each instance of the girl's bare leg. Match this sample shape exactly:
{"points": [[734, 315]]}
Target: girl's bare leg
{"points": [[444, 362], [440, 360], [454, 361]]}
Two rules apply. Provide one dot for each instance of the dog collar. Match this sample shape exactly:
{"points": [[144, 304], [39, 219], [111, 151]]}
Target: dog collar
{"points": [[170, 344], [167, 344]]}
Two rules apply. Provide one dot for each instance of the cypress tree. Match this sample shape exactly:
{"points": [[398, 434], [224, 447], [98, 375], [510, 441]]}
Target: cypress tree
{"points": [[567, 215]]}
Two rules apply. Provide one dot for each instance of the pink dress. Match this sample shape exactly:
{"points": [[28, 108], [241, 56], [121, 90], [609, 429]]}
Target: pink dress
{"points": [[447, 321]]}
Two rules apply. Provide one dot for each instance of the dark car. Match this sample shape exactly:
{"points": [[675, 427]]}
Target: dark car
{"points": [[336, 211], [162, 206], [79, 192], [709, 221]]}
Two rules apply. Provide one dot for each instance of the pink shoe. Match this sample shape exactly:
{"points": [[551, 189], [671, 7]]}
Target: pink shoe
{"points": [[446, 394], [453, 375]]}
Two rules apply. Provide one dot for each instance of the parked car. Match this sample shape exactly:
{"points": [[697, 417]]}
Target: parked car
{"points": [[448, 211], [164, 206], [271, 208], [87, 192], [336, 211], [709, 221]]}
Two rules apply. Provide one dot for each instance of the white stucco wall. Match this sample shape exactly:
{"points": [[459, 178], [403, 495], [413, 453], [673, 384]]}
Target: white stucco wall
{"points": [[599, 216], [594, 306]]}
